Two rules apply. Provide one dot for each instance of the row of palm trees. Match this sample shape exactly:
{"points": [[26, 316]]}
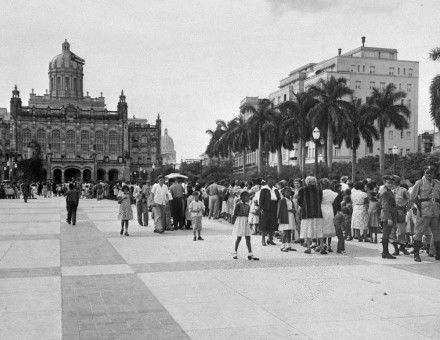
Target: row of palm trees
{"points": [[328, 105]]}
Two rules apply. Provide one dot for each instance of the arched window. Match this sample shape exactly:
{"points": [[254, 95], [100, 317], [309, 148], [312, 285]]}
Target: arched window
{"points": [[99, 142], [41, 138], [56, 141], [26, 137], [85, 141], [58, 83], [112, 142], [70, 141]]}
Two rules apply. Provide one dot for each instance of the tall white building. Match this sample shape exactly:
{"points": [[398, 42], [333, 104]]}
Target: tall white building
{"points": [[364, 68]]}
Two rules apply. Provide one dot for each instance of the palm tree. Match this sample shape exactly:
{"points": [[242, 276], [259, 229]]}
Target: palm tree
{"points": [[360, 125], [214, 145], [435, 54], [260, 116], [277, 136], [329, 113], [239, 137], [387, 109], [297, 127], [434, 90]]}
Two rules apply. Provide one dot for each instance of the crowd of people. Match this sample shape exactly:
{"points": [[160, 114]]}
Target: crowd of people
{"points": [[310, 213]]}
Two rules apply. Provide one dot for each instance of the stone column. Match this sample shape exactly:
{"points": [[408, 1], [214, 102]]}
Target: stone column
{"points": [[63, 178]]}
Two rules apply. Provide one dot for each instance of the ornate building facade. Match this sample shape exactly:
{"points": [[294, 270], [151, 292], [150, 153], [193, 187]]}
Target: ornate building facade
{"points": [[78, 136], [167, 151]]}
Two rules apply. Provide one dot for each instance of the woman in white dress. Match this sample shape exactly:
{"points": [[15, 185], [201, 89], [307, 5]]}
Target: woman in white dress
{"points": [[328, 228], [359, 218]]}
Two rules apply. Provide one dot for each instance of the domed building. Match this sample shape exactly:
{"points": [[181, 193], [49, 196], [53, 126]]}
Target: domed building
{"points": [[168, 153], [79, 138]]}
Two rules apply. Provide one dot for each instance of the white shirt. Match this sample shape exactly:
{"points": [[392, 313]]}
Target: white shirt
{"points": [[273, 195], [344, 186], [160, 194]]}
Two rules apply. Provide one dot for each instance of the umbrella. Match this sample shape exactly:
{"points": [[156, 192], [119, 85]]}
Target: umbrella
{"points": [[175, 175]]}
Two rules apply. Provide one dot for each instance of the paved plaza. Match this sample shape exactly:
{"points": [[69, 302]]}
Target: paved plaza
{"points": [[88, 282]]}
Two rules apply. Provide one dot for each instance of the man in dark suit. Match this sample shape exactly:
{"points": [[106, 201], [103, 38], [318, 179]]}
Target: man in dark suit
{"points": [[268, 203], [72, 200]]}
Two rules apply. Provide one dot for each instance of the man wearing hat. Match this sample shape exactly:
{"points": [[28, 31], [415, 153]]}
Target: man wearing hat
{"points": [[398, 234], [387, 214], [426, 195], [268, 202]]}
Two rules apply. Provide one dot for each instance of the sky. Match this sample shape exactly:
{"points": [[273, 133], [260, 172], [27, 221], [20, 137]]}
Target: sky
{"points": [[193, 61]]}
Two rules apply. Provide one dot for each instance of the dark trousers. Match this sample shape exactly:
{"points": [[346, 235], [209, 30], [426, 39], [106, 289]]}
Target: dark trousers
{"points": [[287, 236], [177, 212], [141, 216], [386, 230], [71, 212], [341, 240]]}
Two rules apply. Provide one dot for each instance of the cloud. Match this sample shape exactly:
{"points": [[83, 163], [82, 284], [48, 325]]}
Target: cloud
{"points": [[279, 7]]}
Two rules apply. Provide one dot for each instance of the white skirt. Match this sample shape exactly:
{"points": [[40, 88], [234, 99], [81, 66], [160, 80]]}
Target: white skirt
{"points": [[311, 228], [241, 227], [328, 228]]}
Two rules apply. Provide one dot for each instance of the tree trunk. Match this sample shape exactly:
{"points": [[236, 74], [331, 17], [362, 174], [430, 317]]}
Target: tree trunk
{"points": [[260, 154], [382, 152], [279, 161], [353, 164], [329, 147], [244, 162], [324, 151], [300, 157]]}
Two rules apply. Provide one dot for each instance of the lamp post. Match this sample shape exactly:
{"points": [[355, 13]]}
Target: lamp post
{"points": [[316, 135], [395, 152]]}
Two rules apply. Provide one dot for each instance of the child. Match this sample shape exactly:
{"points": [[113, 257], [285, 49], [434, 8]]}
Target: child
{"points": [[241, 225], [197, 208], [286, 219], [373, 216], [346, 202], [254, 218], [340, 221], [189, 199], [125, 211]]}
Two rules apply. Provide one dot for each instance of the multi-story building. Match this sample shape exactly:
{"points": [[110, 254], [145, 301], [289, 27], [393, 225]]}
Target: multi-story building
{"points": [[78, 136], [426, 141], [364, 68]]}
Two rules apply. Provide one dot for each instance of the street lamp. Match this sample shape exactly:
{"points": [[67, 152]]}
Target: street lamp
{"points": [[395, 153], [316, 135]]}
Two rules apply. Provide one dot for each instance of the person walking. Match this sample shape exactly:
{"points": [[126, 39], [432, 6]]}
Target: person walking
{"points": [[125, 211], [426, 195], [72, 200], [159, 199], [387, 214], [177, 204]]}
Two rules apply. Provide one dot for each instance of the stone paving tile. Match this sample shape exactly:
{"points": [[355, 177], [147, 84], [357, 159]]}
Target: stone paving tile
{"points": [[114, 306], [109, 269], [232, 264], [83, 244], [29, 237], [29, 272]]}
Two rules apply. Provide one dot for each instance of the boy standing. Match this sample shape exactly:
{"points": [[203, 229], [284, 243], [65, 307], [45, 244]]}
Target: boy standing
{"points": [[196, 209]]}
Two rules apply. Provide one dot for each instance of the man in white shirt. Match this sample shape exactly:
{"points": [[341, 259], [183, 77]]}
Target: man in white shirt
{"points": [[159, 198]]}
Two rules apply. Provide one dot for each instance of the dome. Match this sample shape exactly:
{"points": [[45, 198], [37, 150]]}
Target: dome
{"points": [[167, 143], [66, 59]]}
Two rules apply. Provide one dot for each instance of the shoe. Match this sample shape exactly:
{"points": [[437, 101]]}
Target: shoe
{"points": [[285, 250], [122, 231], [263, 243], [200, 238], [272, 243], [161, 232], [195, 238], [349, 238], [68, 222], [324, 252], [73, 223], [234, 256], [417, 258], [252, 257], [388, 256], [307, 251], [330, 250], [291, 249], [360, 240], [126, 234], [403, 249]]}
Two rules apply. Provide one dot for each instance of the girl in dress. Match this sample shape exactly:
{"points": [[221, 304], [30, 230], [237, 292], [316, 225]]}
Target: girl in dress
{"points": [[241, 225], [286, 219], [125, 211], [254, 217], [328, 227], [373, 213]]}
